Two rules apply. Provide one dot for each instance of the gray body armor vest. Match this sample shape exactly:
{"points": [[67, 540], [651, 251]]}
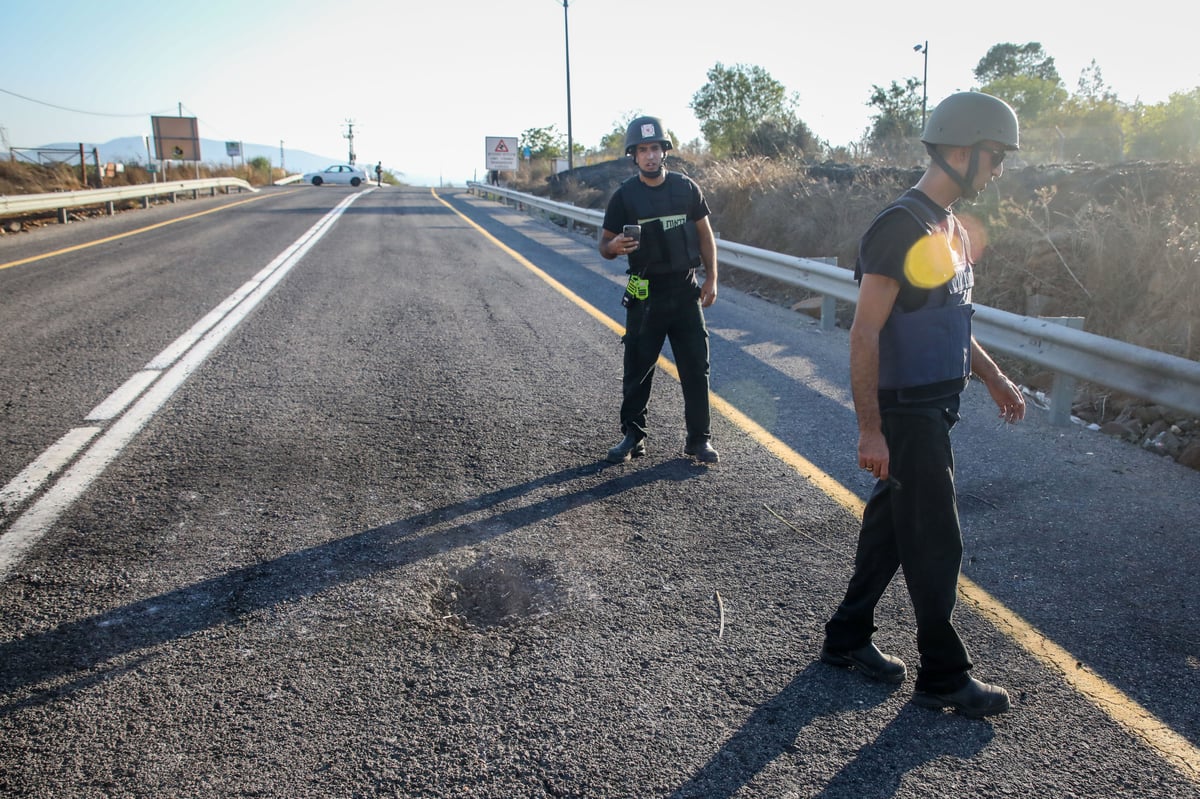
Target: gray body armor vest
{"points": [[932, 343]]}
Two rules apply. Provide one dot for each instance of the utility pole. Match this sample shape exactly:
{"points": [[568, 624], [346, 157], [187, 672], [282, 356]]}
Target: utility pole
{"points": [[281, 166], [567, 42], [924, 48], [349, 134]]}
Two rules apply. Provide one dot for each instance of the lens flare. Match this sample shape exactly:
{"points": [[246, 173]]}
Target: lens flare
{"points": [[930, 261]]}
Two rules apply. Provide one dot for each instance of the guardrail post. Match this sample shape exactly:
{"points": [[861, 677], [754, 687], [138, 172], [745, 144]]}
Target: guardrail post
{"points": [[110, 207], [828, 304], [62, 216], [146, 201], [1062, 393]]}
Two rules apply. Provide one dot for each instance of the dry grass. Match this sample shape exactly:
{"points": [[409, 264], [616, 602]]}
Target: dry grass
{"points": [[1119, 247], [19, 177]]}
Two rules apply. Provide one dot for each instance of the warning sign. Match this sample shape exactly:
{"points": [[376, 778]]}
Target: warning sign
{"points": [[501, 153]]}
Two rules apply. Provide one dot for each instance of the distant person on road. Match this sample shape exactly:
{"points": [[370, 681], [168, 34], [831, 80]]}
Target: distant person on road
{"points": [[379, 174], [911, 355], [663, 299]]}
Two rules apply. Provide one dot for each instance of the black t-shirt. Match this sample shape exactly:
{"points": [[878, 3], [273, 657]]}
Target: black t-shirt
{"points": [[884, 249], [886, 245]]}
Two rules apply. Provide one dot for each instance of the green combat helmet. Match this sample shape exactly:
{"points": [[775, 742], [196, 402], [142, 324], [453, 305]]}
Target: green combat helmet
{"points": [[967, 119]]}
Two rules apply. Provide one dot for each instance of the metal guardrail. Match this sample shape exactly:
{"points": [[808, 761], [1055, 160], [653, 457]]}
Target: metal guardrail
{"points": [[1137, 371], [62, 200]]}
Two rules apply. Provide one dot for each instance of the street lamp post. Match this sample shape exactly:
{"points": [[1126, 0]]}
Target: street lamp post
{"points": [[924, 49], [567, 42]]}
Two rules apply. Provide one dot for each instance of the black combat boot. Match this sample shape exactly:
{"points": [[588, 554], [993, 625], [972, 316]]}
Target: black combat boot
{"points": [[630, 447], [700, 449]]}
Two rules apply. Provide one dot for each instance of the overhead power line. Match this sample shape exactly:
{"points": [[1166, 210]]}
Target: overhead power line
{"points": [[77, 110]]}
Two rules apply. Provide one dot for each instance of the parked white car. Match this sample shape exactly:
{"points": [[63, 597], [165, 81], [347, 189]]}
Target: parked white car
{"points": [[337, 173]]}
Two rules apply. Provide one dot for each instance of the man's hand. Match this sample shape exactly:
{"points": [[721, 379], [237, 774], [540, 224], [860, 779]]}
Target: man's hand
{"points": [[1008, 398], [613, 244], [873, 455]]}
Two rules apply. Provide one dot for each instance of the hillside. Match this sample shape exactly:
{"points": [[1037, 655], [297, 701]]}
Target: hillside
{"points": [[132, 150]]}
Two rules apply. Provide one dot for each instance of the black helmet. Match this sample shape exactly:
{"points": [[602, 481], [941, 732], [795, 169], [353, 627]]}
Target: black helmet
{"points": [[965, 119], [645, 130]]}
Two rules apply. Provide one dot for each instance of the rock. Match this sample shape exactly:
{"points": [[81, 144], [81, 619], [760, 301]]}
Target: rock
{"points": [[1190, 457], [1041, 381], [810, 306], [1128, 430], [1165, 443]]}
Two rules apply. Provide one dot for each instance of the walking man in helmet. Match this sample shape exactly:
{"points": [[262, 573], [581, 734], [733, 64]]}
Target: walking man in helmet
{"points": [[663, 299], [911, 355]]}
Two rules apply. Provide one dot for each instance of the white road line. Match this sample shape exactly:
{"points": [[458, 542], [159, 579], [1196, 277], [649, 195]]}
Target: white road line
{"points": [[29, 528], [119, 400], [31, 478]]}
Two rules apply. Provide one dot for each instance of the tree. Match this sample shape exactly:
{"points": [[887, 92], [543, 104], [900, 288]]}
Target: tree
{"points": [[1092, 87], [743, 110], [544, 142], [1024, 76], [1169, 130], [1091, 122], [781, 136], [613, 143], [897, 120]]}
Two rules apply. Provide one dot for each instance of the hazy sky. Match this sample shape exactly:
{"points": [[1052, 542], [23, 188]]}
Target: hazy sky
{"points": [[426, 81]]}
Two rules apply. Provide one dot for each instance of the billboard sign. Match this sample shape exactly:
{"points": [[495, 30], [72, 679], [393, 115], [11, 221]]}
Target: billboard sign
{"points": [[176, 138]]}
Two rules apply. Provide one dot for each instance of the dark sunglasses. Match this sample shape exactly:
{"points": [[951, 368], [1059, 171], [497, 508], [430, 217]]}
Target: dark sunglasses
{"points": [[997, 155]]}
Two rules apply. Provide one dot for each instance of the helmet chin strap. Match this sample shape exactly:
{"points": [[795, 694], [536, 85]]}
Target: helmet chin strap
{"points": [[966, 184], [658, 173]]}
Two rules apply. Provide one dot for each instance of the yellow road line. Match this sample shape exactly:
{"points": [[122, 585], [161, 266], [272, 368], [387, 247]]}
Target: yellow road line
{"points": [[1121, 708], [85, 245]]}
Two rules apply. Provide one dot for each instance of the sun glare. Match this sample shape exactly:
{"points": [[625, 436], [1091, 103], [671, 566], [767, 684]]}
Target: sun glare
{"points": [[930, 261]]}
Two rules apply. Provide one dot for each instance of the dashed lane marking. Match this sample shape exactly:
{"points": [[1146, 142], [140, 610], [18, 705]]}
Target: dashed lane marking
{"points": [[134, 404]]}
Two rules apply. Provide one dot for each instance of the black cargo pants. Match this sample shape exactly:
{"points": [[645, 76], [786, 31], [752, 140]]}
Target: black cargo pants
{"points": [[911, 523], [671, 313]]}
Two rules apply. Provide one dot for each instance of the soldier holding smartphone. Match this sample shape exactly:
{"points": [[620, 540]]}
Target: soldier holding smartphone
{"points": [[664, 231]]}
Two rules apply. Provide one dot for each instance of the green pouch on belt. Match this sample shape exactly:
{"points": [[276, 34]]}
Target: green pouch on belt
{"points": [[638, 288]]}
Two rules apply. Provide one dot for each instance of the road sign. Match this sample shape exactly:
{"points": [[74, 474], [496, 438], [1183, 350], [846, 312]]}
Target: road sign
{"points": [[501, 153], [176, 138]]}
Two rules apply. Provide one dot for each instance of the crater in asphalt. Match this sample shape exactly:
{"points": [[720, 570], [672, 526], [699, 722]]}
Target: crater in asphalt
{"points": [[498, 591]]}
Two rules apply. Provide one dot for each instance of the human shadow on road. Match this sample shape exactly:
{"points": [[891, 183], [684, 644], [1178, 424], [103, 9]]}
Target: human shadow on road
{"points": [[771, 731], [914, 737], [80, 650]]}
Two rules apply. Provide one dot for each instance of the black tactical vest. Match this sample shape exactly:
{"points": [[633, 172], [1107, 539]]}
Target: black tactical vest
{"points": [[670, 240]]}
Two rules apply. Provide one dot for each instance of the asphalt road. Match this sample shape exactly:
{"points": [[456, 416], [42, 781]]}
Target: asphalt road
{"points": [[356, 537]]}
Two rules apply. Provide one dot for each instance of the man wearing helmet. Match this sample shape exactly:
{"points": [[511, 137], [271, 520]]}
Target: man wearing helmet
{"points": [[663, 298], [911, 355]]}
